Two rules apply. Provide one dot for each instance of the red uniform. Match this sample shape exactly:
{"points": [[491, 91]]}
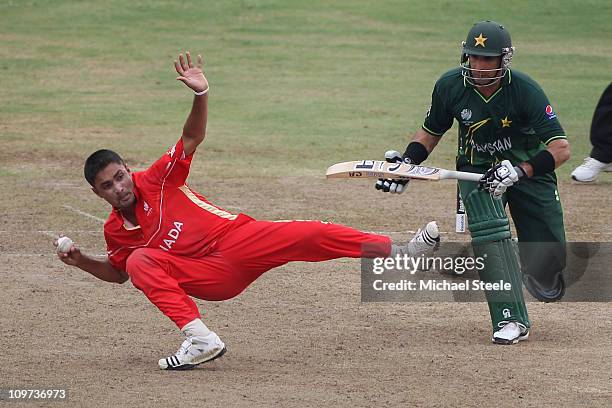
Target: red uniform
{"points": [[184, 245]]}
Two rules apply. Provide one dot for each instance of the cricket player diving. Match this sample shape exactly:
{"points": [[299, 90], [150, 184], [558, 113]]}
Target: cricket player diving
{"points": [[509, 131], [174, 244]]}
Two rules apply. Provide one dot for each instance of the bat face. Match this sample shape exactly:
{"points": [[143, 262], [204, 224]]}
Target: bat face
{"points": [[382, 169], [422, 171]]}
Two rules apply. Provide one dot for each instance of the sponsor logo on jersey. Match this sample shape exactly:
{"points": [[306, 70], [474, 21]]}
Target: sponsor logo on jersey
{"points": [[506, 313], [550, 113], [172, 151], [500, 145], [147, 208]]}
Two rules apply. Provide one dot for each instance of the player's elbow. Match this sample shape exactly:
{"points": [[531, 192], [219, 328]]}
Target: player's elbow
{"points": [[198, 139], [194, 135], [117, 276], [122, 277], [560, 149], [564, 152], [428, 140]]}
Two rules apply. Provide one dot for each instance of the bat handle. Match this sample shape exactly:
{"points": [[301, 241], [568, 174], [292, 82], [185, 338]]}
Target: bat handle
{"points": [[459, 175], [460, 213]]}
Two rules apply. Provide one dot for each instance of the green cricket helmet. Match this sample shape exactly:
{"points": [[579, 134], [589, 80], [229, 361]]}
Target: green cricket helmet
{"points": [[489, 39]]}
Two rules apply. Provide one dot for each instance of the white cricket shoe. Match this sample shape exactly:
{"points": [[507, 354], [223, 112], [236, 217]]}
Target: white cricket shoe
{"points": [[426, 239], [511, 333], [588, 171], [194, 350]]}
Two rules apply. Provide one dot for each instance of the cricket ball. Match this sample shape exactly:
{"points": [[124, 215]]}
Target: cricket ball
{"points": [[64, 244]]}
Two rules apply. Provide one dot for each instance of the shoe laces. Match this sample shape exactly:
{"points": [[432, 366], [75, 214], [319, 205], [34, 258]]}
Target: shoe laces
{"points": [[418, 237], [505, 325], [185, 346], [592, 163]]}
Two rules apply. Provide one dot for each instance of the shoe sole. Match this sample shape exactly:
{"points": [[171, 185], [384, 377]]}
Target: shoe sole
{"points": [[593, 180], [506, 342], [192, 366]]}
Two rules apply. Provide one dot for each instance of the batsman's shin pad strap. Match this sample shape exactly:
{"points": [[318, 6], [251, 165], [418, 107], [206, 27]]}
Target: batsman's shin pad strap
{"points": [[490, 231], [487, 219]]}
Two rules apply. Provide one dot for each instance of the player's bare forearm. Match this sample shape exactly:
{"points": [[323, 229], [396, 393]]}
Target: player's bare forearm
{"points": [[194, 130], [191, 74], [560, 151], [426, 139], [101, 269]]}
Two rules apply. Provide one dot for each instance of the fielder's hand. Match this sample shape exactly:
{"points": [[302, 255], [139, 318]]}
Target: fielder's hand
{"points": [[190, 74], [72, 257], [392, 186], [498, 178]]}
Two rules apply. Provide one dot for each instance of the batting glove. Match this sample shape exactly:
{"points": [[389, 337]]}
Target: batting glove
{"points": [[498, 178], [393, 186]]}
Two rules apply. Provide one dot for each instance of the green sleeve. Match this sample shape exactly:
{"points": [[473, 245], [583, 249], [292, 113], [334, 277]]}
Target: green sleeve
{"points": [[542, 117], [438, 119]]}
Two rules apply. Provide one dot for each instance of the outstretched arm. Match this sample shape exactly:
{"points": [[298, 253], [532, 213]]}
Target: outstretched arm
{"points": [[98, 267], [192, 75], [416, 152]]}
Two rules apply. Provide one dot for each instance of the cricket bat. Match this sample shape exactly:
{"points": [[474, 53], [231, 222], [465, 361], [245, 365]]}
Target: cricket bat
{"points": [[383, 169]]}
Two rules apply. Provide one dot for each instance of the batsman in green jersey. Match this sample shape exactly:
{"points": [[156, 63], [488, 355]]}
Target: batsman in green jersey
{"points": [[509, 131]]}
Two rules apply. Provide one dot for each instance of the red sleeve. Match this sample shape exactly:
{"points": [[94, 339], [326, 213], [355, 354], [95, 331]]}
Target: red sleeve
{"points": [[117, 254], [119, 242], [172, 168]]}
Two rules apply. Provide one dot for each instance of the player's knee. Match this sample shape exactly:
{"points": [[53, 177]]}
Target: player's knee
{"points": [[487, 220]]}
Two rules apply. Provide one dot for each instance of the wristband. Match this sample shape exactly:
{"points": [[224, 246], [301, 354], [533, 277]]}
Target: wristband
{"points": [[416, 153], [542, 163], [202, 92], [520, 172]]}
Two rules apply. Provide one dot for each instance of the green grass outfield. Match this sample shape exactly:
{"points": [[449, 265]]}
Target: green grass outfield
{"points": [[294, 84]]}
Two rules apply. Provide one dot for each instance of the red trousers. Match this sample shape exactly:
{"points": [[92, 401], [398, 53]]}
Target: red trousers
{"points": [[240, 257]]}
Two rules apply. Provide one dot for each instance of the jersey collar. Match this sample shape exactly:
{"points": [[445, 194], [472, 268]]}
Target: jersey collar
{"points": [[505, 81], [125, 223]]}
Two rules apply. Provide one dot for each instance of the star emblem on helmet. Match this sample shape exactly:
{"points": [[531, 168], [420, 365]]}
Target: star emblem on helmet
{"points": [[480, 40], [506, 122]]}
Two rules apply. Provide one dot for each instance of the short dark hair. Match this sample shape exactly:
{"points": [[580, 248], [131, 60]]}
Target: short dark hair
{"points": [[97, 162]]}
